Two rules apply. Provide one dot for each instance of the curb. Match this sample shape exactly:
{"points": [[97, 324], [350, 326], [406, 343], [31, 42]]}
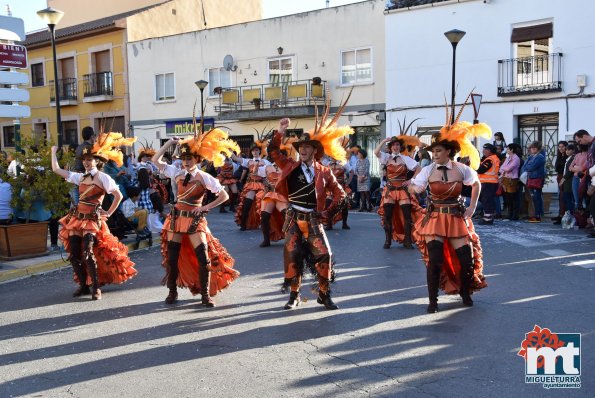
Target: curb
{"points": [[36, 269]]}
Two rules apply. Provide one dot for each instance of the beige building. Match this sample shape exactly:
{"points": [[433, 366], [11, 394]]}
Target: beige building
{"points": [[259, 72]]}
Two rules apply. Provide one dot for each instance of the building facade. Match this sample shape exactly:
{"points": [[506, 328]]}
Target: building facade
{"points": [[92, 61], [261, 71], [527, 58]]}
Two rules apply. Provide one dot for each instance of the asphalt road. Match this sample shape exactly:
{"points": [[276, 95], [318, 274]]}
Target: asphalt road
{"points": [[380, 343]]}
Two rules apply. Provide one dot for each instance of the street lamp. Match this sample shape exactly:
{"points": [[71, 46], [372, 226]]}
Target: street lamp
{"points": [[201, 84], [454, 37], [476, 101], [51, 17]]}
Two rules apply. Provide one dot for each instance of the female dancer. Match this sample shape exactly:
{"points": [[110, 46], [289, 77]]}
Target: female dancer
{"points": [[448, 242], [192, 257], [247, 214], [398, 225], [229, 182], [97, 257], [272, 208], [340, 170]]}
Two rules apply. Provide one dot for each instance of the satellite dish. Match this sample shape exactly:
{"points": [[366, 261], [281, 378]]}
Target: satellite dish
{"points": [[228, 63]]}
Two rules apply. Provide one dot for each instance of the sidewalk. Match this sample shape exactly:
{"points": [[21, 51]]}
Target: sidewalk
{"points": [[11, 270]]}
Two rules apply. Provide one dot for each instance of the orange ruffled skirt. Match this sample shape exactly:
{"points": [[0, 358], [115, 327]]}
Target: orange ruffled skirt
{"points": [[254, 215], [398, 221], [222, 272], [452, 226], [113, 263], [277, 219]]}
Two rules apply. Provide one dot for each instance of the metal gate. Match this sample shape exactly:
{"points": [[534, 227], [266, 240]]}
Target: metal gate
{"points": [[542, 128]]}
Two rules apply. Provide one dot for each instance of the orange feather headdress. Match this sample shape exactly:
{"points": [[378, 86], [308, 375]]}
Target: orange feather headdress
{"points": [[107, 147], [325, 136], [261, 142], [458, 135], [407, 142], [147, 150], [213, 145]]}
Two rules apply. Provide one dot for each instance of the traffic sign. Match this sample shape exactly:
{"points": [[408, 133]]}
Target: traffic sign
{"points": [[14, 94], [13, 78], [15, 111], [13, 56]]}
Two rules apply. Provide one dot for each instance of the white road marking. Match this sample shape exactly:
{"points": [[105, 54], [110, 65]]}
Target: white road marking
{"points": [[588, 264], [556, 252]]}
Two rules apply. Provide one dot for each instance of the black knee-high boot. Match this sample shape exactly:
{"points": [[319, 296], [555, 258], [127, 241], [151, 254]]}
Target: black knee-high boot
{"points": [[232, 202], [173, 254], [91, 263], [465, 256], [407, 225], [436, 259], [204, 274], [245, 213], [388, 224], [345, 214], [77, 265], [265, 225]]}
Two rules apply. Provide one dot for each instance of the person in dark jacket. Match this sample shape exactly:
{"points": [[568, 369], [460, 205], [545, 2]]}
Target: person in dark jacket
{"points": [[559, 165], [535, 168], [565, 182]]}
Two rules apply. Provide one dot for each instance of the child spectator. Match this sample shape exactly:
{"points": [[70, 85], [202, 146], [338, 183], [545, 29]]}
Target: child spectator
{"points": [[134, 213]]}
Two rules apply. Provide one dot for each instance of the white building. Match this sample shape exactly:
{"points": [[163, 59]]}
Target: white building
{"points": [[532, 60], [272, 60]]}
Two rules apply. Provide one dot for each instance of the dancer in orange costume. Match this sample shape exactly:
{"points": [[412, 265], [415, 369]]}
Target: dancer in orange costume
{"points": [[97, 257], [305, 183], [448, 242], [398, 225], [229, 182], [192, 256], [340, 170], [247, 213], [273, 206]]}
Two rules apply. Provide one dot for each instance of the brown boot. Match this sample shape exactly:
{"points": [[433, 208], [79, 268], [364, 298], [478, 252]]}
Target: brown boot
{"points": [[294, 301], [465, 256], [388, 224], [326, 300], [265, 225], [173, 253], [436, 259], [89, 258], [77, 265], [407, 226], [204, 274]]}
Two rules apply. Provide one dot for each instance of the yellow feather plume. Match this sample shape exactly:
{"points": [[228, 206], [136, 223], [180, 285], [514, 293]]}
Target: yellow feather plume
{"points": [[107, 146], [214, 145], [462, 133], [287, 145], [410, 142], [330, 137]]}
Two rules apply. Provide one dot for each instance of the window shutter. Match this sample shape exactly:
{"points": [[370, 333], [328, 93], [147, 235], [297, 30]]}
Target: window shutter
{"points": [[536, 32]]}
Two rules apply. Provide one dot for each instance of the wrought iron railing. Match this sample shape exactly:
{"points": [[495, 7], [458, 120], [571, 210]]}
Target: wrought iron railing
{"points": [[530, 75], [272, 95], [67, 89], [98, 84]]}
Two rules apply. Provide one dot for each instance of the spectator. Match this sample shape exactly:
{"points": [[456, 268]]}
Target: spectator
{"points": [[5, 198], [362, 171], [565, 182], [535, 169], [584, 138], [579, 167], [488, 176], [509, 179], [119, 174], [499, 140], [135, 214], [424, 158], [354, 150], [559, 166]]}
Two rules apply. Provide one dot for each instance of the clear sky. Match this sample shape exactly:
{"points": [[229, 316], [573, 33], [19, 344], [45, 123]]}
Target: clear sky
{"points": [[26, 9]]}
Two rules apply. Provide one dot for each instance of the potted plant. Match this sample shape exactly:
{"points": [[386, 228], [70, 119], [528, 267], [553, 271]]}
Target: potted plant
{"points": [[35, 186], [256, 102]]}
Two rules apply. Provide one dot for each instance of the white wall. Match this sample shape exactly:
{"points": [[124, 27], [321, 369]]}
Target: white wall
{"points": [[419, 59], [313, 38]]}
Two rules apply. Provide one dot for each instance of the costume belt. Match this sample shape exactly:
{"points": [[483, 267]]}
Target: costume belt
{"points": [[254, 178], [196, 218], [301, 215], [455, 210], [453, 207]]}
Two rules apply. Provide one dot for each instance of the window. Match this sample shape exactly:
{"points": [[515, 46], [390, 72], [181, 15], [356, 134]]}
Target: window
{"points": [[165, 87], [37, 78], [8, 136], [356, 66], [71, 136], [39, 132], [218, 77], [280, 70]]}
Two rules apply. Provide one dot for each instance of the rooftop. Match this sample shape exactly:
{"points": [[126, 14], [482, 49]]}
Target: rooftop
{"points": [[396, 4]]}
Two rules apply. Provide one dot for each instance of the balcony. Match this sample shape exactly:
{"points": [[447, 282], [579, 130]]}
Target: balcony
{"points": [[273, 100], [530, 75], [68, 91], [98, 87]]}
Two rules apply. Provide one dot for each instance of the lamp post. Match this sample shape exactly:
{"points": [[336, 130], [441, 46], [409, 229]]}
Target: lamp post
{"points": [[201, 84], [51, 17], [476, 101], [454, 37]]}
